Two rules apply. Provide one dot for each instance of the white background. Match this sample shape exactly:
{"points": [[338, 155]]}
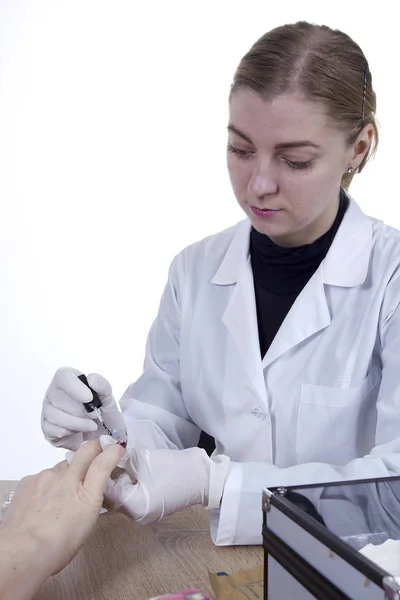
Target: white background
{"points": [[113, 122]]}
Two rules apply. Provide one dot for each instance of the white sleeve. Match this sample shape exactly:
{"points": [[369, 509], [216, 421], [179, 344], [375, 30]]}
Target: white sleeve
{"points": [[153, 406], [239, 521]]}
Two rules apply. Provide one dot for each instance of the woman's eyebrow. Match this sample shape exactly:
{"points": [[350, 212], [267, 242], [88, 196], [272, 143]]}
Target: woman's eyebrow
{"points": [[283, 145], [239, 133]]}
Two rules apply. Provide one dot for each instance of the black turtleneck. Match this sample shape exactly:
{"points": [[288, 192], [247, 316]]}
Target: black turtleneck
{"points": [[281, 273]]}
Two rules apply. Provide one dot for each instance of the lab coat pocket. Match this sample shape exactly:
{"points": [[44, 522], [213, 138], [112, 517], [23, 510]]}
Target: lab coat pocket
{"points": [[335, 425]]}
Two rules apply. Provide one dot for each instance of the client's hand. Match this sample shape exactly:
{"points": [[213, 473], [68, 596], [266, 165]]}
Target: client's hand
{"points": [[50, 516]]}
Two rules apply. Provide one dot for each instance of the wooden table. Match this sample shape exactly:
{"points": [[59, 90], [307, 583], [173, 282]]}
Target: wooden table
{"points": [[123, 560]]}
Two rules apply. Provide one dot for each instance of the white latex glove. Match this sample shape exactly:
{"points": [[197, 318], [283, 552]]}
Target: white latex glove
{"points": [[157, 483], [65, 422]]}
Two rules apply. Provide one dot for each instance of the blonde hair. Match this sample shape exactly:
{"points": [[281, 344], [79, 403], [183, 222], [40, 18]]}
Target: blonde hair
{"points": [[323, 63]]}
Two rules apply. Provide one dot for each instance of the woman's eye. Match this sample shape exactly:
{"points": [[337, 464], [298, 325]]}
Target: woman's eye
{"points": [[292, 164], [242, 154], [298, 166]]}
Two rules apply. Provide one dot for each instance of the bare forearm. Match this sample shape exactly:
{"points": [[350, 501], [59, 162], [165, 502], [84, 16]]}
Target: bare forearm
{"points": [[22, 566]]}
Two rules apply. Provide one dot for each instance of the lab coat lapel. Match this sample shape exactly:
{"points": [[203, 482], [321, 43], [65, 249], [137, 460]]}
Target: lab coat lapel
{"points": [[308, 315], [240, 319], [240, 315]]}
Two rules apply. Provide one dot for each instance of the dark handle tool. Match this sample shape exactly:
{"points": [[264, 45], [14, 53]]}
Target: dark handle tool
{"points": [[94, 405], [96, 402]]}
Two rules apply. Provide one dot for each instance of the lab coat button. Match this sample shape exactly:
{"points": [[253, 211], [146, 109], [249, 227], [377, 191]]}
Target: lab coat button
{"points": [[259, 413]]}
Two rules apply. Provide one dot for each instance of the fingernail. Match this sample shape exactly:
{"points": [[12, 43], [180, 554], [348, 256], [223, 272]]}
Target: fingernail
{"points": [[106, 440], [69, 456]]}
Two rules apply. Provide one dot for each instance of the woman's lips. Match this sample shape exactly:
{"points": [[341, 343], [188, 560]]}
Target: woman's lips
{"points": [[264, 212]]}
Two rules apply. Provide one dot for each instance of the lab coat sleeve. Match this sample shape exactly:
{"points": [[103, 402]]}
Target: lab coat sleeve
{"points": [[153, 406], [239, 520]]}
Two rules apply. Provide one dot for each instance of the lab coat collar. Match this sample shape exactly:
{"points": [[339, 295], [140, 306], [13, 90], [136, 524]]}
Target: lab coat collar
{"points": [[236, 256], [346, 263]]}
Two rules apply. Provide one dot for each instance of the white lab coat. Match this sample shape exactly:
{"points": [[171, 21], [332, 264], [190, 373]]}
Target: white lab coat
{"points": [[323, 404]]}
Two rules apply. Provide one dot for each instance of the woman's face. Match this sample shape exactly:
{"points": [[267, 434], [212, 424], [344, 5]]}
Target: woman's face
{"points": [[286, 156]]}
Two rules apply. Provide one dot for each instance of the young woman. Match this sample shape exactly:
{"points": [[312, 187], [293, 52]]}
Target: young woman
{"points": [[279, 337]]}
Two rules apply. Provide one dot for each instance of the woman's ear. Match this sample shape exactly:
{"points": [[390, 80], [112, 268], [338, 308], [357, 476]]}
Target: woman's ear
{"points": [[362, 144]]}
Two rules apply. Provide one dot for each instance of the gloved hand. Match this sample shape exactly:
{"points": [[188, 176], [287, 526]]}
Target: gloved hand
{"points": [[156, 483], [65, 422]]}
